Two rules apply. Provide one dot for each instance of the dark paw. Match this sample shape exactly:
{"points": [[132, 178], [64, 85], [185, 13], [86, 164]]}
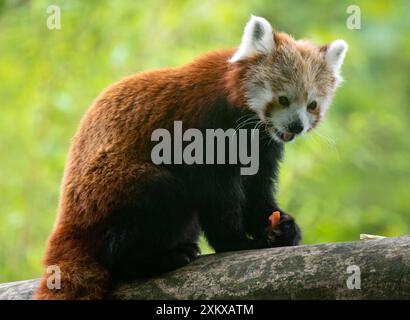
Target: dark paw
{"points": [[183, 254], [287, 232], [190, 250]]}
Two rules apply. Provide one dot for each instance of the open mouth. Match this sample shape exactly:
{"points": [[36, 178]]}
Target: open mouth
{"points": [[283, 136]]}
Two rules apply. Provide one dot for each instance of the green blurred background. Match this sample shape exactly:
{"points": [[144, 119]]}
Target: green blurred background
{"points": [[349, 177]]}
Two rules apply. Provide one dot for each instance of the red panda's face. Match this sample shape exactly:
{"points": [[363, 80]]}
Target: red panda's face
{"points": [[288, 83]]}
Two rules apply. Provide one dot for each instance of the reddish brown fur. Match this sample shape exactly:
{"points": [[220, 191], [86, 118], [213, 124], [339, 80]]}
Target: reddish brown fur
{"points": [[116, 129]]}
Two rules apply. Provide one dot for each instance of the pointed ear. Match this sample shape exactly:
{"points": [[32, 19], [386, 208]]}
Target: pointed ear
{"points": [[335, 55], [257, 38]]}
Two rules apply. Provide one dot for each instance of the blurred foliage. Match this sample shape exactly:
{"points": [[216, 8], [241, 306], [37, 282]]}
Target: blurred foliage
{"points": [[351, 176]]}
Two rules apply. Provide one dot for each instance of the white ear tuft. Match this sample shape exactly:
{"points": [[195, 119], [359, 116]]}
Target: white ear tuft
{"points": [[335, 54], [257, 38]]}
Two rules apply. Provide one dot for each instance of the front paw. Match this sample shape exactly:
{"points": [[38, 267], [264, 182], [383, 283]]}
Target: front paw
{"points": [[285, 233]]}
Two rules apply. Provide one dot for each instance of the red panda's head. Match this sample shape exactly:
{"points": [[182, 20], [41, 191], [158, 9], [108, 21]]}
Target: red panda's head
{"points": [[289, 83]]}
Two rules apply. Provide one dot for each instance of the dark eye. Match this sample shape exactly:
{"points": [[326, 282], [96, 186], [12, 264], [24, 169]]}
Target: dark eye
{"points": [[312, 106], [284, 101]]}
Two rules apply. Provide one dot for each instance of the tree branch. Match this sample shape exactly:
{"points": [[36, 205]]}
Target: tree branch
{"points": [[303, 272]]}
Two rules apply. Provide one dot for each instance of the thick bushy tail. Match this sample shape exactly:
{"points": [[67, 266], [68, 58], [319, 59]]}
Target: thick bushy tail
{"points": [[72, 272]]}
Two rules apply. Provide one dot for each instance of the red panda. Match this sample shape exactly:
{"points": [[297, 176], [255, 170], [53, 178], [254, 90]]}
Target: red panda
{"points": [[121, 217]]}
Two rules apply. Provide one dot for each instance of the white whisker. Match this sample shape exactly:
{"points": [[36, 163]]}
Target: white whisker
{"points": [[329, 141]]}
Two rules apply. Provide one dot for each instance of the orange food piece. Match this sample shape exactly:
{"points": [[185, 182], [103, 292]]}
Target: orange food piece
{"points": [[274, 219]]}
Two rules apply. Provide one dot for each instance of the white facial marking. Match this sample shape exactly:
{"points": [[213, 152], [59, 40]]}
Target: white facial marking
{"points": [[259, 96], [303, 115]]}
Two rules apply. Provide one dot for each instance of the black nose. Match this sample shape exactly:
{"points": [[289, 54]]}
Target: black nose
{"points": [[296, 127]]}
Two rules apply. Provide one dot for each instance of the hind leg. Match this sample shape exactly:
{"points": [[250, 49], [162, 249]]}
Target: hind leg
{"points": [[156, 235], [129, 257]]}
